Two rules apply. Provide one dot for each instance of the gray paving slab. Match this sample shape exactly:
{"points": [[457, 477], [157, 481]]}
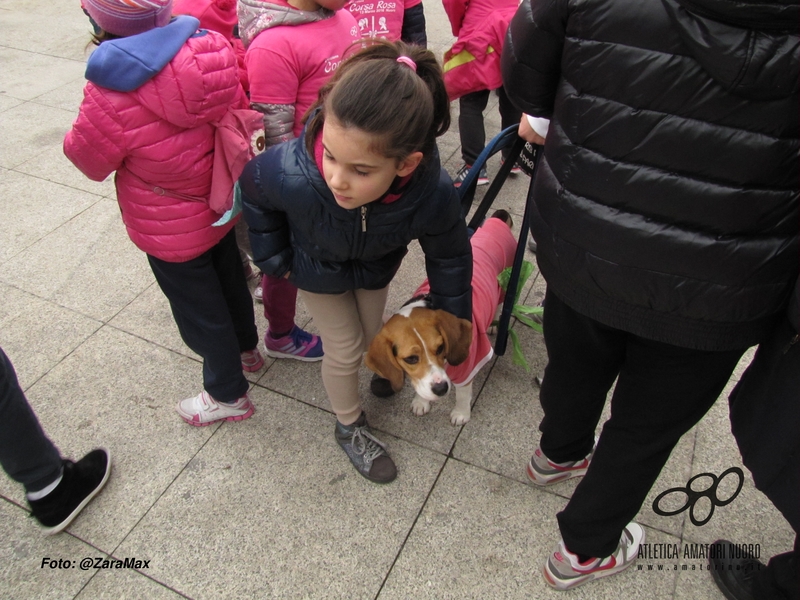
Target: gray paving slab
{"points": [[66, 97], [37, 334], [482, 535], [23, 551], [275, 500], [7, 102], [25, 26], [102, 272], [125, 584], [28, 74], [32, 208], [118, 391], [30, 128], [52, 165]]}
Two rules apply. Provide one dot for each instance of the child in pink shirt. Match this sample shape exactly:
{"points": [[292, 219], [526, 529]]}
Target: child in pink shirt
{"points": [[219, 16], [390, 19], [292, 48]]}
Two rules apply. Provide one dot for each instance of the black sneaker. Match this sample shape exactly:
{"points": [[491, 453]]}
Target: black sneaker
{"points": [[380, 386], [461, 175], [734, 576], [81, 481], [366, 452]]}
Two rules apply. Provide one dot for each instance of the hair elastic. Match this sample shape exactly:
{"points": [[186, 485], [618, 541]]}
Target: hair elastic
{"points": [[407, 62]]}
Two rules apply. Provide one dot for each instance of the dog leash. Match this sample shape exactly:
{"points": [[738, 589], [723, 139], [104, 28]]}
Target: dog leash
{"points": [[513, 282]]}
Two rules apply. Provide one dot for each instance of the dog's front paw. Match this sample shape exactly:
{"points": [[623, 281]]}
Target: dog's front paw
{"points": [[420, 406], [458, 417]]}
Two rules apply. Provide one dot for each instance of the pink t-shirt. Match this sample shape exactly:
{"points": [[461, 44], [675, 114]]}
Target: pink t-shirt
{"points": [[288, 64], [380, 18]]}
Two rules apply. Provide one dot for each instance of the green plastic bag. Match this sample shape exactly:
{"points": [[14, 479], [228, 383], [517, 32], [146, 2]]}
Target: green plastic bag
{"points": [[520, 311]]}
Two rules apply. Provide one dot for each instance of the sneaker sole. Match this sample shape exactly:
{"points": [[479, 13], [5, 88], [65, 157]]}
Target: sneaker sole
{"points": [[246, 415], [553, 581], [545, 480], [65, 523], [276, 354]]}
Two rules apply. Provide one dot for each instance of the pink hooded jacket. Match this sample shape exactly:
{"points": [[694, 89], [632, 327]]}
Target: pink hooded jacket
{"points": [[473, 62], [146, 114]]}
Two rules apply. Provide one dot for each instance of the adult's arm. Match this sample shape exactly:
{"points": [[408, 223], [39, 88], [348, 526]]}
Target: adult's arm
{"points": [[531, 61]]}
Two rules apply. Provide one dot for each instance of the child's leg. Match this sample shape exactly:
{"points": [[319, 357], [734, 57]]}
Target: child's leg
{"points": [[371, 305], [280, 304], [26, 453], [347, 322], [204, 321], [470, 124], [283, 338], [230, 272]]}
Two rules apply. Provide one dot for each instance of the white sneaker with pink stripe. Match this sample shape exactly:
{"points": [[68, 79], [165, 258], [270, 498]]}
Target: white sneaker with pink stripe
{"points": [[203, 410]]}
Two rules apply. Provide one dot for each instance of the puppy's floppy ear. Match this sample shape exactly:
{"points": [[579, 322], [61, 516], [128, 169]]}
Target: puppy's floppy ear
{"points": [[457, 334], [380, 359]]}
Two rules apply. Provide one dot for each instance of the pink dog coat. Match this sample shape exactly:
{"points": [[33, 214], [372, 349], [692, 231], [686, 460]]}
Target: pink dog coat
{"points": [[493, 247]]}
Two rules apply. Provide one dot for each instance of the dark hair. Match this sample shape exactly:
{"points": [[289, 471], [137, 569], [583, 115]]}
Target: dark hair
{"points": [[373, 92], [103, 36]]}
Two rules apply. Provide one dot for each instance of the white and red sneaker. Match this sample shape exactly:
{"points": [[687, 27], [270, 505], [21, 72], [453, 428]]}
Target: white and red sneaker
{"points": [[252, 360], [564, 571], [203, 410], [543, 471]]}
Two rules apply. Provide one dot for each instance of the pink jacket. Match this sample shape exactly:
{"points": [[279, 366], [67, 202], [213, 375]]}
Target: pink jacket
{"points": [[158, 136], [473, 62]]}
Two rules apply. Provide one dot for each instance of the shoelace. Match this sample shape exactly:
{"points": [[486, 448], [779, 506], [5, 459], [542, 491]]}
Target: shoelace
{"points": [[364, 443], [300, 337]]}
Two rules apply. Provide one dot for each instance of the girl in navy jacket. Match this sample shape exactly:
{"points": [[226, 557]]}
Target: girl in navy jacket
{"points": [[335, 209]]}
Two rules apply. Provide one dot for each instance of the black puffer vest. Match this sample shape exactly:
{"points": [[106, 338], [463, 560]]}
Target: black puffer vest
{"points": [[667, 202]]}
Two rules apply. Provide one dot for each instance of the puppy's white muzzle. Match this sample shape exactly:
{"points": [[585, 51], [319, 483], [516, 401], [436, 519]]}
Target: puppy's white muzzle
{"points": [[434, 385]]}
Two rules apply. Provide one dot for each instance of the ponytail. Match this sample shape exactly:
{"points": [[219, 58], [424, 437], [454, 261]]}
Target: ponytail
{"points": [[405, 108]]}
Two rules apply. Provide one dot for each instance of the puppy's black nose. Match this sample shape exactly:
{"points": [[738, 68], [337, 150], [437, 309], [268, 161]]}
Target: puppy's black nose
{"points": [[440, 389]]}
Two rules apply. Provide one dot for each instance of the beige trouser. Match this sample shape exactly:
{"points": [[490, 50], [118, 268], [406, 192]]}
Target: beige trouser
{"points": [[347, 323]]}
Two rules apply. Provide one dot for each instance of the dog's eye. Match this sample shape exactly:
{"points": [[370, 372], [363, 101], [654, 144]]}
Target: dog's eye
{"points": [[411, 360], [440, 349]]}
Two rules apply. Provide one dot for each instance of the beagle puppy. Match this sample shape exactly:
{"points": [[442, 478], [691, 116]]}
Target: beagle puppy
{"points": [[437, 350], [420, 342]]}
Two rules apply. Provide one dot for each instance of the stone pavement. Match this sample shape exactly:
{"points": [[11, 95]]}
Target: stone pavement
{"points": [[269, 507]]}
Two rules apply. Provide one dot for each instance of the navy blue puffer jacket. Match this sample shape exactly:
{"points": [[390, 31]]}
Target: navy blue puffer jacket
{"points": [[667, 202], [295, 225]]}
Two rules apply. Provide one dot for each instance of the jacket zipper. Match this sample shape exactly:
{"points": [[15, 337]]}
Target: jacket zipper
{"points": [[791, 343], [359, 239]]}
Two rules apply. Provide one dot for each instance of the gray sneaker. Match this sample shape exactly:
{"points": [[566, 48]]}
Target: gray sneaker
{"points": [[365, 451], [543, 471]]}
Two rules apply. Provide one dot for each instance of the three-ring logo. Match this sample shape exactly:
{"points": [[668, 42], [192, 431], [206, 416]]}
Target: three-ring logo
{"points": [[692, 496]]}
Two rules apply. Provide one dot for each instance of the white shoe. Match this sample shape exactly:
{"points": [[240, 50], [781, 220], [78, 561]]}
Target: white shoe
{"points": [[203, 410], [564, 571]]}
